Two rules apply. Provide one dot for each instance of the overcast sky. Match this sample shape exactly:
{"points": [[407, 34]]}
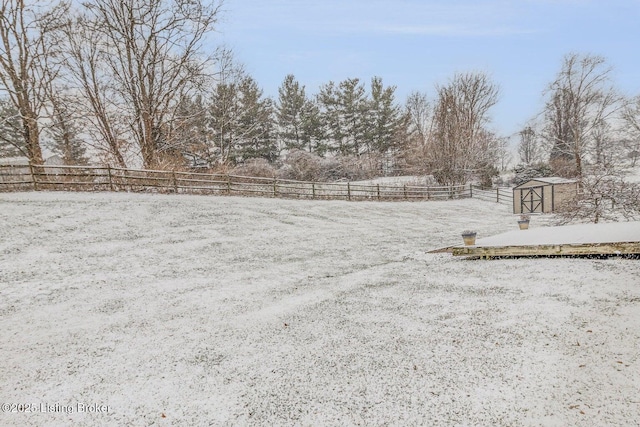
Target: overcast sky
{"points": [[416, 44]]}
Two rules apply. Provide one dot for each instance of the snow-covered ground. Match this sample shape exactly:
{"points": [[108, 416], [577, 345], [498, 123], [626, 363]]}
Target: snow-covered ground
{"points": [[189, 310]]}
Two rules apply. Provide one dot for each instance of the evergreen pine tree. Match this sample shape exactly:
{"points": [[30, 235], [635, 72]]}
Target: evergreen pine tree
{"points": [[65, 139], [223, 123], [313, 131], [189, 130], [255, 133], [344, 111], [384, 117], [290, 111], [355, 114], [11, 138], [329, 114]]}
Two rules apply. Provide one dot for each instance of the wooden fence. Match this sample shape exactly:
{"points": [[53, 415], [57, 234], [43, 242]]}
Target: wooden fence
{"points": [[97, 178], [503, 195]]}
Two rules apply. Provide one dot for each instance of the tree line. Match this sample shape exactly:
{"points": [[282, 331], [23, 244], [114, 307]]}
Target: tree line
{"points": [[586, 121], [588, 131], [129, 82]]}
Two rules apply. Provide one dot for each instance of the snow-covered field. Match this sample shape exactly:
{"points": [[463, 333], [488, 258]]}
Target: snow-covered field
{"points": [[188, 310]]}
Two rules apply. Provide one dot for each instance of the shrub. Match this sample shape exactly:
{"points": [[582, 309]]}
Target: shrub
{"points": [[301, 165], [524, 173], [304, 166], [255, 167]]}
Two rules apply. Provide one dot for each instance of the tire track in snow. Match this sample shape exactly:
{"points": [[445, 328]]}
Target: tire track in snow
{"points": [[328, 288]]}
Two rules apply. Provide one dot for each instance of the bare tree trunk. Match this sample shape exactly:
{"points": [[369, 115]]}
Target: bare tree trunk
{"points": [[32, 137], [25, 67], [581, 101], [459, 144], [150, 55]]}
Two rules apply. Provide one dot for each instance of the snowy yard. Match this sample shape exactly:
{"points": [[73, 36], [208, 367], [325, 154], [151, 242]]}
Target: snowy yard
{"points": [[188, 310]]}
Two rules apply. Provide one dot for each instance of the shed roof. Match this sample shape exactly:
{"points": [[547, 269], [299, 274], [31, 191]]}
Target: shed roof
{"points": [[556, 180], [550, 180]]}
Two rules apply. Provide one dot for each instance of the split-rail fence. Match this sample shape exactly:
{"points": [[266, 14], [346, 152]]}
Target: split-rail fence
{"points": [[106, 178]]}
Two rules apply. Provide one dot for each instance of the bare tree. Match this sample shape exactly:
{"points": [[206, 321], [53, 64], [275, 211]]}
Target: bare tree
{"points": [[504, 154], [581, 99], [529, 147], [606, 148], [418, 127], [604, 196], [460, 144], [631, 116], [151, 53], [27, 62], [420, 113], [223, 114], [87, 72]]}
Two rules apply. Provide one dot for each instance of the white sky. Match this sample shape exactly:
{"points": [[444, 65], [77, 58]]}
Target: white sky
{"points": [[415, 44]]}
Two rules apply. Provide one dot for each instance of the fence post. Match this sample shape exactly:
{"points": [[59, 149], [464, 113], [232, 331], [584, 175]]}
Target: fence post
{"points": [[33, 177], [378, 187], [404, 188], [275, 187], [497, 195], [229, 184], [175, 182], [349, 190], [313, 190], [110, 179], [470, 191]]}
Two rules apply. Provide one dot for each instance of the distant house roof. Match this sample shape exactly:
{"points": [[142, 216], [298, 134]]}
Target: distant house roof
{"points": [[54, 160], [18, 161]]}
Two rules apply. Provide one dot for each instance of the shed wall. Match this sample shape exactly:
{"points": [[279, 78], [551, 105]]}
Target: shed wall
{"points": [[535, 197], [551, 196]]}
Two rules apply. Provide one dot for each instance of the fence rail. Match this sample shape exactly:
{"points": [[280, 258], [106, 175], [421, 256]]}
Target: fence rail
{"points": [[503, 195], [106, 178], [99, 178]]}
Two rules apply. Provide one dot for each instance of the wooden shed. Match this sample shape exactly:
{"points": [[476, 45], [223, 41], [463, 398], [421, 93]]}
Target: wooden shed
{"points": [[543, 195]]}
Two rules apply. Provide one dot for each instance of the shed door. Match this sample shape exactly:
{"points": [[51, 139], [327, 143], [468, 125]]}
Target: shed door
{"points": [[532, 200]]}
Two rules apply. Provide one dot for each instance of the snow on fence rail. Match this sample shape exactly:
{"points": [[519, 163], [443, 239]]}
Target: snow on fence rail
{"points": [[105, 178], [503, 195]]}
